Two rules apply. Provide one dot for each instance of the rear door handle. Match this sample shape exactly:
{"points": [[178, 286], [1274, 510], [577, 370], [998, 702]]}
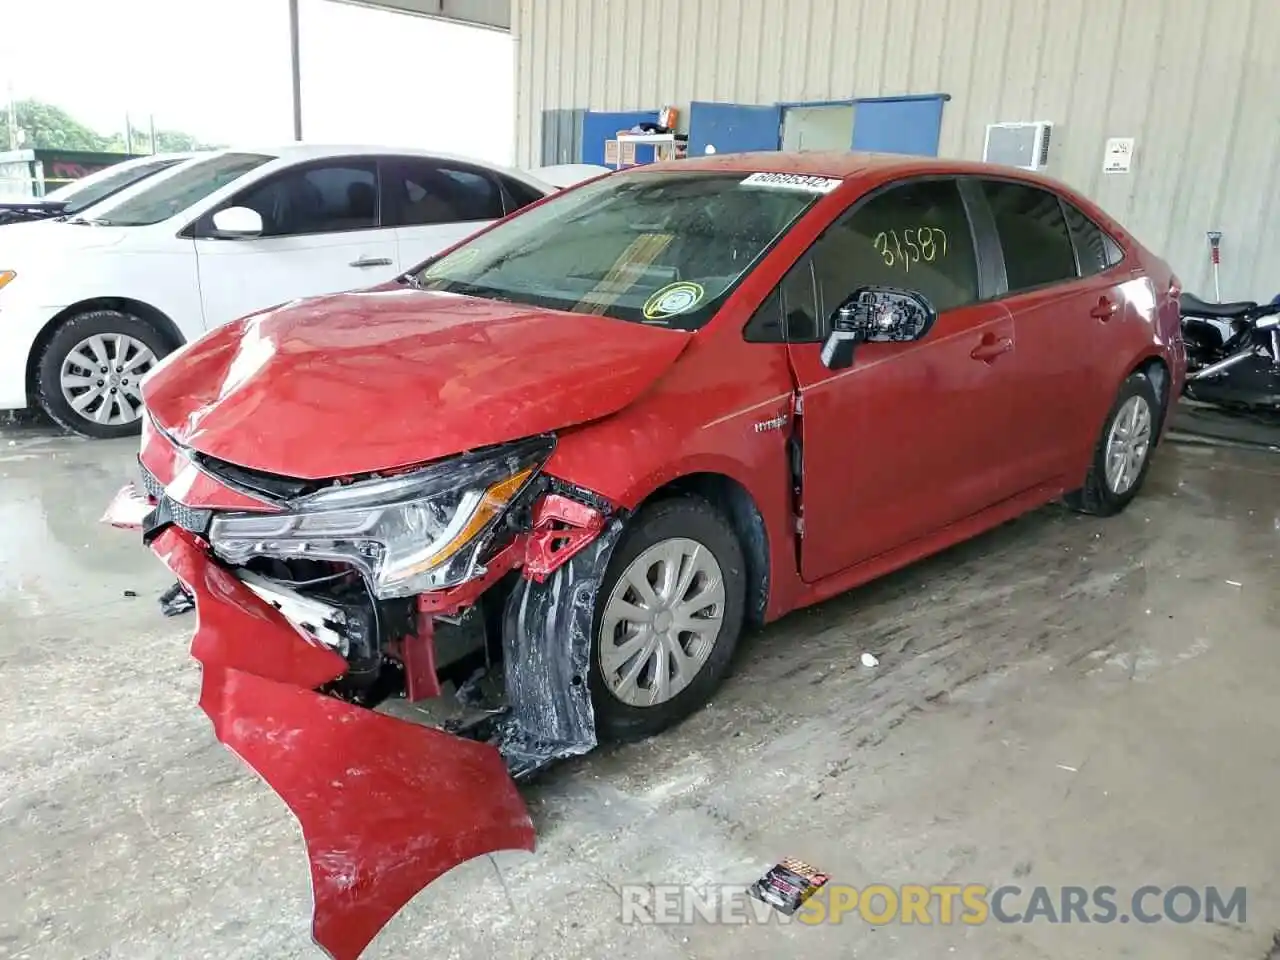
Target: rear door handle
{"points": [[1105, 310], [371, 262], [991, 348]]}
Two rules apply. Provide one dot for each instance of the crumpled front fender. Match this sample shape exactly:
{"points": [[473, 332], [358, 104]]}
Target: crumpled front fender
{"points": [[385, 806], [546, 637]]}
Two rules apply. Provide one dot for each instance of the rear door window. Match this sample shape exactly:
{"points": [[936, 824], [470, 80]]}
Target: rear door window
{"points": [[425, 192], [1033, 234]]}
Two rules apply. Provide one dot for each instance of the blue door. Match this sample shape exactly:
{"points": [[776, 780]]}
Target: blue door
{"points": [[599, 127], [733, 127], [899, 125]]}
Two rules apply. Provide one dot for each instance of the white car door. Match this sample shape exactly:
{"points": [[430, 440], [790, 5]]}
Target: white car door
{"points": [[322, 233], [435, 203]]}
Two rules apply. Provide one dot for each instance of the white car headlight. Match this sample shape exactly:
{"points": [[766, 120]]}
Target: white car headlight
{"points": [[407, 534], [7, 277]]}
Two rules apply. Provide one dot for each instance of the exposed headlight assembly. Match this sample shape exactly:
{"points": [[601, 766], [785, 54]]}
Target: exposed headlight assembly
{"points": [[407, 534]]}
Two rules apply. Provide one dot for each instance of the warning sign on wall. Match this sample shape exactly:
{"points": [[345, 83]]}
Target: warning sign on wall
{"points": [[1119, 155]]}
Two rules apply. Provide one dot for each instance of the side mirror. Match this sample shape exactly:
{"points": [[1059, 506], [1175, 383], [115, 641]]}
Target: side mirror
{"points": [[238, 222], [876, 315]]}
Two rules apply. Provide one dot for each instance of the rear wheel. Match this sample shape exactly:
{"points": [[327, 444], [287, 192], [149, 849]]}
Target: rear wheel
{"points": [[1123, 454], [88, 378], [668, 617]]}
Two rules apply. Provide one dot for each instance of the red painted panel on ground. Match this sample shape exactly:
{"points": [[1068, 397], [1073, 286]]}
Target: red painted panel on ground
{"points": [[385, 806]]}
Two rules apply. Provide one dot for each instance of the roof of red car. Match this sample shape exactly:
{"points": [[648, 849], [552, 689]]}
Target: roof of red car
{"points": [[843, 164], [870, 170]]}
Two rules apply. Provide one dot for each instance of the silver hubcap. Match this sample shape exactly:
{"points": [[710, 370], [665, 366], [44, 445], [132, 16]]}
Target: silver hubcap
{"points": [[661, 622], [100, 377], [1128, 444]]}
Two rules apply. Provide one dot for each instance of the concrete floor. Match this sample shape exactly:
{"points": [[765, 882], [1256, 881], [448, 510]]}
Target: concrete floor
{"points": [[1116, 648]]}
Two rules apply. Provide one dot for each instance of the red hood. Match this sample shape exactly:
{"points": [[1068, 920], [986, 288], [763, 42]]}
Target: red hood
{"points": [[382, 379]]}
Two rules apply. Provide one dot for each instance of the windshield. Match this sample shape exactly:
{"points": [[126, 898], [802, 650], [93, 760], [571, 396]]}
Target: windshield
{"points": [[171, 195], [661, 248], [84, 193]]}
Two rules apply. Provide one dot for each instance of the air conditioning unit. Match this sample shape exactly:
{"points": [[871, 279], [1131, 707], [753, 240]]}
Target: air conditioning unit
{"points": [[1024, 145]]}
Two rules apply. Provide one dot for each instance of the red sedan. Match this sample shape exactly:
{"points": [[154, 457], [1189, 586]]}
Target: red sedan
{"points": [[596, 442]]}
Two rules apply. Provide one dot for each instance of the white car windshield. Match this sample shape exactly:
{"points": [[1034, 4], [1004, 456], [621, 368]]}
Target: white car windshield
{"points": [[662, 247], [172, 194], [81, 194]]}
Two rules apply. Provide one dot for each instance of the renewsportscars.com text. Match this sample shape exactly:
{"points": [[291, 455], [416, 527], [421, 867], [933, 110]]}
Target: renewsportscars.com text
{"points": [[938, 904]]}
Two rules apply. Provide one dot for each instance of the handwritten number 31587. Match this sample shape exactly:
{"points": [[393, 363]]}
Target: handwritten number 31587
{"points": [[915, 244]]}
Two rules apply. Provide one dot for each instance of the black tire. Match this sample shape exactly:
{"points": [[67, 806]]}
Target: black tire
{"points": [[65, 339], [688, 517], [1096, 496]]}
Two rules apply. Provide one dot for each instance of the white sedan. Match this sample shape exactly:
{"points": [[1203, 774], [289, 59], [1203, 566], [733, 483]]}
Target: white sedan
{"points": [[89, 304]]}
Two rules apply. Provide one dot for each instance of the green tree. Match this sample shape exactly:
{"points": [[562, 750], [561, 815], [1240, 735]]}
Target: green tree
{"points": [[174, 141], [167, 141], [50, 128]]}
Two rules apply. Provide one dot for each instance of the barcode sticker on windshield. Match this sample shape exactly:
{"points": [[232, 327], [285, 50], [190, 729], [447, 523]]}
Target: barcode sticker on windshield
{"points": [[792, 181]]}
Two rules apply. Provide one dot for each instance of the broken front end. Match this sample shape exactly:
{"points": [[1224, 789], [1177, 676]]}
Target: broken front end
{"points": [[318, 602]]}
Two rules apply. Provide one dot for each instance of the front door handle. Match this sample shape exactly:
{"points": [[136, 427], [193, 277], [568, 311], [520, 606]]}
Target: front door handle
{"points": [[990, 348], [372, 262], [1105, 310]]}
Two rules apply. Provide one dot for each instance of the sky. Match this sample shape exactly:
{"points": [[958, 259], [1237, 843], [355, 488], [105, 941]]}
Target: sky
{"points": [[219, 69]]}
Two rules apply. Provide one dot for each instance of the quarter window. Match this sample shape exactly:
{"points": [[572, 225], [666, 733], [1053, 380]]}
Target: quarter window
{"points": [[521, 194], [1095, 250], [790, 312], [321, 198], [765, 325], [1033, 234], [425, 192], [800, 301]]}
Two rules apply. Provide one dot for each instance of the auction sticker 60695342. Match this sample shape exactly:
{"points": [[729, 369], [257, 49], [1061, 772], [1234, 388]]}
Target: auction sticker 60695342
{"points": [[792, 181]]}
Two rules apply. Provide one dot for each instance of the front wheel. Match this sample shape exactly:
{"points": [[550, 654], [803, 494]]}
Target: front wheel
{"points": [[1123, 454], [667, 619], [89, 376]]}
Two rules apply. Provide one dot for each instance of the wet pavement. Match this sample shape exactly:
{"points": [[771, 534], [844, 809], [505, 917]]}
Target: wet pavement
{"points": [[1064, 701], [1203, 423]]}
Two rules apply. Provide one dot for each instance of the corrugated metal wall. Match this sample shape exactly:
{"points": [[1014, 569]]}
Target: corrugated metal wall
{"points": [[561, 136], [1196, 82]]}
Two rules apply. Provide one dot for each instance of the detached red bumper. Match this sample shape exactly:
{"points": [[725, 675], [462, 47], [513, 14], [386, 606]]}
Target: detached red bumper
{"points": [[385, 806]]}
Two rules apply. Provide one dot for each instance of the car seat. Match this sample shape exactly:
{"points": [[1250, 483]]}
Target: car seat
{"points": [[362, 202]]}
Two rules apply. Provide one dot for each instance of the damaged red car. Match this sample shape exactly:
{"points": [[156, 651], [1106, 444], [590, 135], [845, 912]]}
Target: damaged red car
{"points": [[588, 447]]}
